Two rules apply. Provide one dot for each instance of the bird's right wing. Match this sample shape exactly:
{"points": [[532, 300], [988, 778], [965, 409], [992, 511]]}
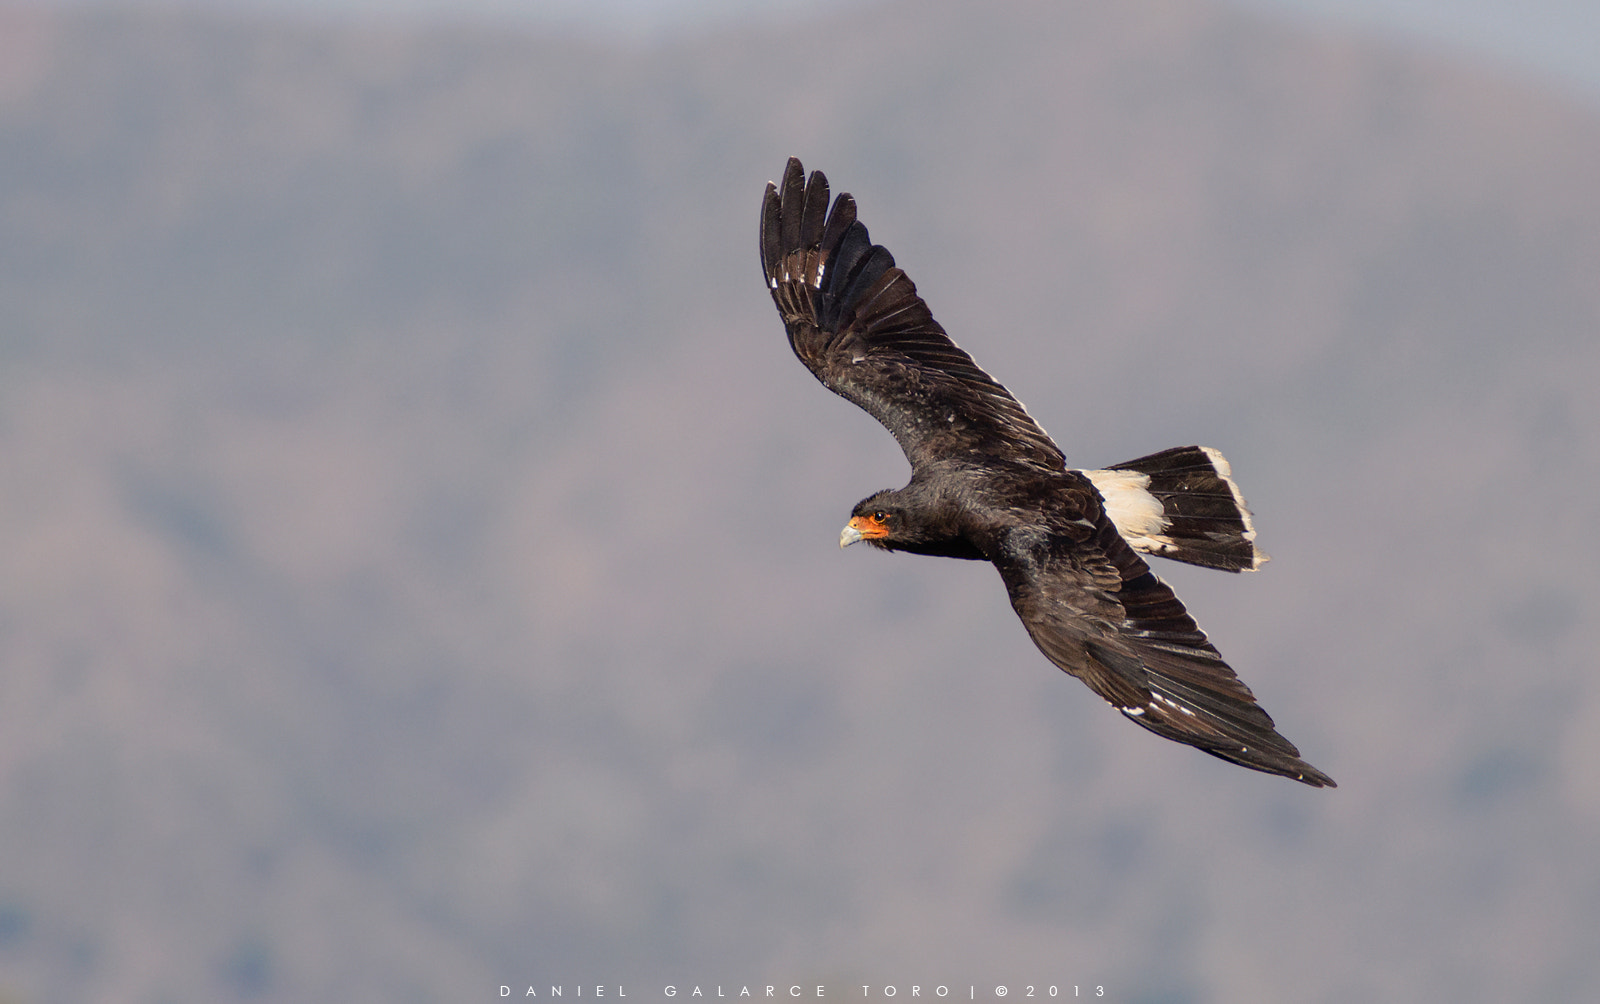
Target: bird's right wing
{"points": [[856, 321]]}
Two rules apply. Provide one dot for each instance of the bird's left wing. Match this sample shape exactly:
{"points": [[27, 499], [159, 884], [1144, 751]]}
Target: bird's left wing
{"points": [[1095, 609], [856, 321]]}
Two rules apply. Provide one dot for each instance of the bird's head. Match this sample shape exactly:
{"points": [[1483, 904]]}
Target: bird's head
{"points": [[876, 520], [916, 518]]}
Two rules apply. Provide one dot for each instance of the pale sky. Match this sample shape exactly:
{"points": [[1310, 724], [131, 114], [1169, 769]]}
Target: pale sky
{"points": [[1556, 40]]}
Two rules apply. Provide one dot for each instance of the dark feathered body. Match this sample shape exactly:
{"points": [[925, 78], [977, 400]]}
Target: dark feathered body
{"points": [[988, 484]]}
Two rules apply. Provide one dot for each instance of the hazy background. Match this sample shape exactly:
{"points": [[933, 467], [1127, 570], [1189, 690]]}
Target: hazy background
{"points": [[1552, 39], [417, 541]]}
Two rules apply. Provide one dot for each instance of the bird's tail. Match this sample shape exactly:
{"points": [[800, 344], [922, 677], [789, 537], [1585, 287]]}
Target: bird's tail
{"points": [[1182, 504]]}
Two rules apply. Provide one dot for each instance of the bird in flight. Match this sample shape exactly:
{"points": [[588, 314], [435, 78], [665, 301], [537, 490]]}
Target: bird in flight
{"points": [[988, 484]]}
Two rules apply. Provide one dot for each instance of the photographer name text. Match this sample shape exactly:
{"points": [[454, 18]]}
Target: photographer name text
{"points": [[858, 991]]}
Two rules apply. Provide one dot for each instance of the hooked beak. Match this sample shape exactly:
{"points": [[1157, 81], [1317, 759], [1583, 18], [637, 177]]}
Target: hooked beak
{"points": [[861, 528]]}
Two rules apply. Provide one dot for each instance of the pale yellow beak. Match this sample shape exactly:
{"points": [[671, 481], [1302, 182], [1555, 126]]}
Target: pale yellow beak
{"points": [[862, 528]]}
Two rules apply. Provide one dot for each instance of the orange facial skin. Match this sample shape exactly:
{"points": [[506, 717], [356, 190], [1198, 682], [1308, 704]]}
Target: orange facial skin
{"points": [[871, 527]]}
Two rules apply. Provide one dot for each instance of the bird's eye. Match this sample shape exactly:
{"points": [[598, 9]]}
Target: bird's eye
{"points": [[880, 517]]}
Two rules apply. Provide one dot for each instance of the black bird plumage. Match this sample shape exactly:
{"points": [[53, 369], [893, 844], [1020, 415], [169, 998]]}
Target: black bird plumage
{"points": [[988, 484]]}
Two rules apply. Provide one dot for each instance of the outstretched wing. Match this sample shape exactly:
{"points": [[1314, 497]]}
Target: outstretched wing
{"points": [[856, 321], [1095, 609]]}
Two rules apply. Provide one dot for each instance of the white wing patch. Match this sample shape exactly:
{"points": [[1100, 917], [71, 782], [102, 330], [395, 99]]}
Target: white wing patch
{"points": [[1155, 699], [1169, 702]]}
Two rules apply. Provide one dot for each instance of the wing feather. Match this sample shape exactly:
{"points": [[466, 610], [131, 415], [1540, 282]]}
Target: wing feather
{"points": [[855, 319], [1097, 611]]}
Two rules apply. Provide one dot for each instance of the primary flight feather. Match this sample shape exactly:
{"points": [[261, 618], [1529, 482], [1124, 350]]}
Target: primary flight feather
{"points": [[988, 484]]}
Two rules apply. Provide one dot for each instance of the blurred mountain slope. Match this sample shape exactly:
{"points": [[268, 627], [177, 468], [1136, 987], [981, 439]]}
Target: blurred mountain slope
{"points": [[420, 570]]}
